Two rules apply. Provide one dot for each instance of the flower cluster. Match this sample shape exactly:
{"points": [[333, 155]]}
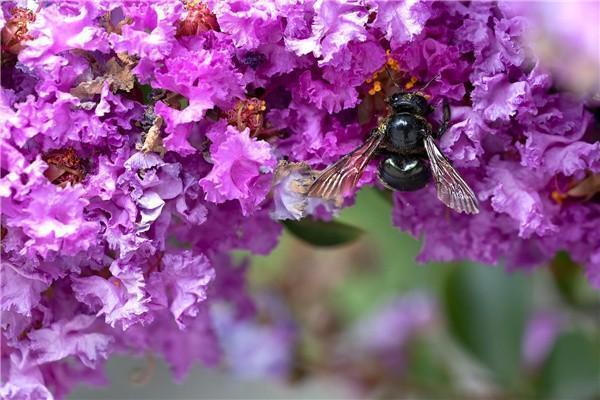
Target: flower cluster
{"points": [[140, 141]]}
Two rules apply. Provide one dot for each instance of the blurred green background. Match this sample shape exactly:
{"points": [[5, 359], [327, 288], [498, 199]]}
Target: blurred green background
{"points": [[483, 312], [472, 348]]}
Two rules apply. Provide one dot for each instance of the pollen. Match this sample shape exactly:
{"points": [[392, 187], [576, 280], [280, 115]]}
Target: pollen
{"points": [[410, 84], [377, 86], [391, 62], [558, 196], [383, 74], [248, 113]]}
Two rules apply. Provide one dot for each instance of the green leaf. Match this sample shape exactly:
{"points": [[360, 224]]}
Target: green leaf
{"points": [[183, 103], [427, 369], [387, 195], [146, 93], [321, 233], [572, 370], [486, 310], [565, 273]]}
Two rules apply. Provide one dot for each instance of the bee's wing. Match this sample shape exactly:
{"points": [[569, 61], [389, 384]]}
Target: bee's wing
{"points": [[341, 177], [452, 190]]}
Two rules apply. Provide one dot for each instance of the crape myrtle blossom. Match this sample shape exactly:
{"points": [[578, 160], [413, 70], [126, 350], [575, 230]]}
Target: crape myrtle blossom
{"points": [[140, 141]]}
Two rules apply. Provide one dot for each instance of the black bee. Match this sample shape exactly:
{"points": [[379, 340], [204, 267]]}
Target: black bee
{"points": [[410, 157]]}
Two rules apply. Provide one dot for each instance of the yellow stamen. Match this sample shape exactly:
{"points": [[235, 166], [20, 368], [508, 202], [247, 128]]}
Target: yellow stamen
{"points": [[411, 83], [377, 86], [558, 197], [371, 92]]}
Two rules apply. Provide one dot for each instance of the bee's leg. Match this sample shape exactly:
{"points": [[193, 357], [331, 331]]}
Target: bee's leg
{"points": [[445, 120]]}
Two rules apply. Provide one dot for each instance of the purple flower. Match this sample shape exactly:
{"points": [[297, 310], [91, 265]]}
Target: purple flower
{"points": [[76, 31], [516, 194], [66, 338], [518, 144], [508, 99], [181, 285], [20, 291], [210, 80], [334, 25], [325, 96], [249, 24], [392, 324], [254, 349], [120, 299], [151, 33], [382, 337], [51, 217], [108, 248], [400, 21], [22, 383], [565, 32], [242, 169]]}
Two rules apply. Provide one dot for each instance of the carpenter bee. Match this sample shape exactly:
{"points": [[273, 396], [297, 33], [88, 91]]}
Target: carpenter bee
{"points": [[410, 156]]}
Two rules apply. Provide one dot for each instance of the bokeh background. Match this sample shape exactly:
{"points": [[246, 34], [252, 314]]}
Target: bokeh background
{"points": [[362, 319]]}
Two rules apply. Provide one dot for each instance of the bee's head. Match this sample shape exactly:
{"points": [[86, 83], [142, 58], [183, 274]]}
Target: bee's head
{"points": [[413, 103]]}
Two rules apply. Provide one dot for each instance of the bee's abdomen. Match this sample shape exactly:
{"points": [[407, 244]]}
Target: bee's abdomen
{"points": [[405, 174], [405, 133]]}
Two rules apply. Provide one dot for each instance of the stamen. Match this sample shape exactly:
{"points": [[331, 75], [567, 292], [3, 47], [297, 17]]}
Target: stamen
{"points": [[391, 62], [410, 84], [248, 113], [558, 196], [377, 86]]}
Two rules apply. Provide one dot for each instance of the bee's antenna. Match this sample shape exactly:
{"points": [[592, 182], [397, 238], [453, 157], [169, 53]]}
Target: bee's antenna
{"points": [[391, 77], [431, 81]]}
